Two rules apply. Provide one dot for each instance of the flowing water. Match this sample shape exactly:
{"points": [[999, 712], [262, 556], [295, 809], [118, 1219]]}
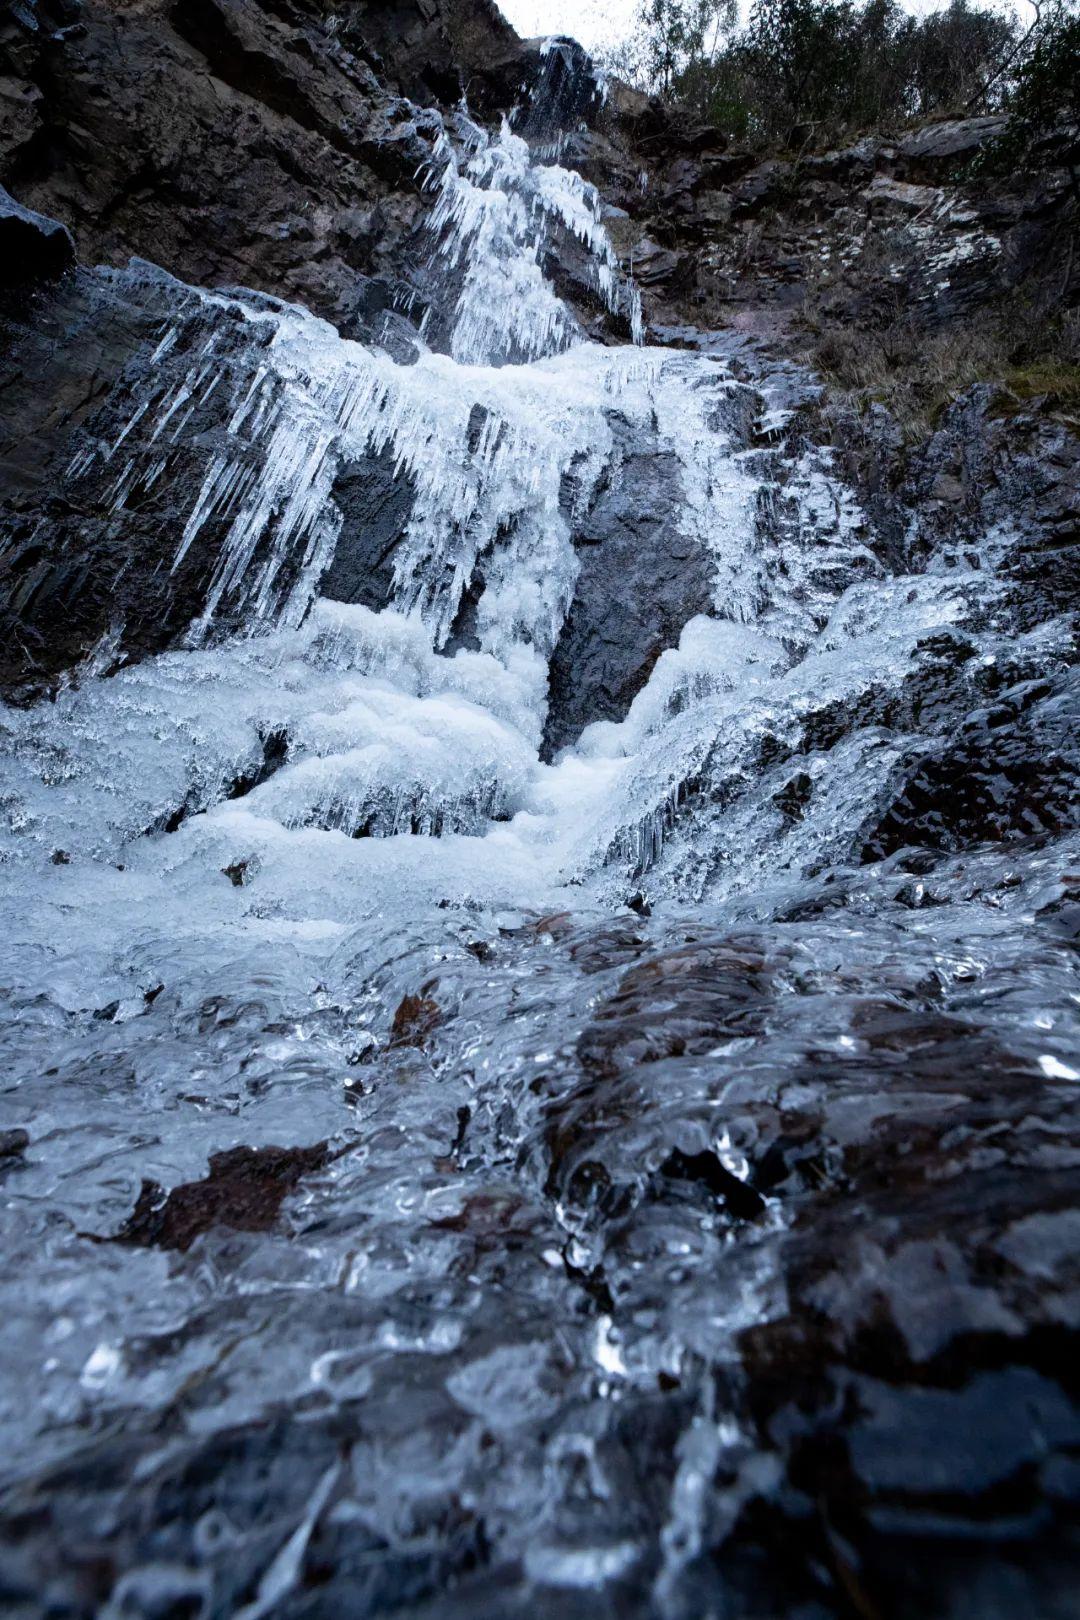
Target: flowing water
{"points": [[312, 882]]}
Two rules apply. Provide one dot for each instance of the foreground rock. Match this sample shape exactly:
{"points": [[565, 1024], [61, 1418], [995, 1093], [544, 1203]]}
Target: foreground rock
{"points": [[244, 1190], [32, 248]]}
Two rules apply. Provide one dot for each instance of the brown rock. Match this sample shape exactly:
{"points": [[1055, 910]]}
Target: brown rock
{"points": [[415, 1020], [245, 1190]]}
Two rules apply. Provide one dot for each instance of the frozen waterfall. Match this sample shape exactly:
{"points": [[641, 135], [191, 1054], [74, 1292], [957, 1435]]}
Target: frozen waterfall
{"points": [[306, 881]]}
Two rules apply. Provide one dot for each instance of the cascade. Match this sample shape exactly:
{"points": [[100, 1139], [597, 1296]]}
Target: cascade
{"points": [[306, 878]]}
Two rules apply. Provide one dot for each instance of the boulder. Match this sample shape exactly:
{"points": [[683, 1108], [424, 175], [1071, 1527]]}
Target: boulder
{"points": [[652, 264], [940, 146], [639, 582]]}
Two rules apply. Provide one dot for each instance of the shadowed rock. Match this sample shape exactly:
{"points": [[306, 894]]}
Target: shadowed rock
{"points": [[32, 247], [640, 581], [245, 1190]]}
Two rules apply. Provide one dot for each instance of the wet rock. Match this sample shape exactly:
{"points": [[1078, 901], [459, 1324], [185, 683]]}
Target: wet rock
{"points": [[1009, 773], [794, 796], [614, 945], [938, 1443], [275, 752], [557, 87], [375, 502], [705, 1169], [244, 1190], [679, 1003], [415, 1021], [67, 581], [13, 1144], [448, 1405], [669, 1008], [915, 895], [639, 582]]}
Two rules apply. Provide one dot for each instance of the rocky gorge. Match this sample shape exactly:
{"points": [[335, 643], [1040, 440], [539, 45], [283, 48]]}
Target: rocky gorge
{"points": [[539, 859]]}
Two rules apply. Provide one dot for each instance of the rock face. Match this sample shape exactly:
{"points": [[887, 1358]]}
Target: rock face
{"points": [[856, 234], [639, 584], [80, 563], [236, 143]]}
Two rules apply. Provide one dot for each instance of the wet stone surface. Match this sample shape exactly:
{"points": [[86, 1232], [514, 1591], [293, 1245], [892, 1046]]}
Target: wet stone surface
{"points": [[244, 1190], [776, 1213]]}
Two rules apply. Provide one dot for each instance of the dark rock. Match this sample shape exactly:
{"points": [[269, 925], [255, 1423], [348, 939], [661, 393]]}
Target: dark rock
{"points": [[676, 1005], [245, 1190], [66, 576], [914, 896], [957, 1443], [239, 143], [651, 264], [32, 247], [557, 87], [415, 1020], [275, 752], [78, 364], [794, 796], [375, 503], [1010, 773], [942, 146], [639, 583], [706, 1170], [894, 1434], [751, 193]]}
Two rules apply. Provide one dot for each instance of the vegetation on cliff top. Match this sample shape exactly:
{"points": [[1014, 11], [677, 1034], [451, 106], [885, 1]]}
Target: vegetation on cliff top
{"points": [[798, 76], [814, 69]]}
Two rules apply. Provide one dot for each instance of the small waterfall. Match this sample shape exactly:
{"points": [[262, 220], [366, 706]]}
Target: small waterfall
{"points": [[494, 215]]}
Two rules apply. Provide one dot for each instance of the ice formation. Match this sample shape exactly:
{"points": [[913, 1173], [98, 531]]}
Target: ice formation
{"points": [[377, 736], [492, 218], [237, 873]]}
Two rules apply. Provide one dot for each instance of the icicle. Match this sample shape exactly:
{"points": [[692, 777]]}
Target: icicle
{"points": [[493, 223]]}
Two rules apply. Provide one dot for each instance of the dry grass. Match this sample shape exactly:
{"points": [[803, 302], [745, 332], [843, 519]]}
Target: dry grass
{"points": [[1053, 380], [916, 373]]}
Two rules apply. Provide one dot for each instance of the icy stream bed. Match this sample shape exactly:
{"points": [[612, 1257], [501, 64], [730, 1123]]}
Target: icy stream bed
{"points": [[546, 1067]]}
